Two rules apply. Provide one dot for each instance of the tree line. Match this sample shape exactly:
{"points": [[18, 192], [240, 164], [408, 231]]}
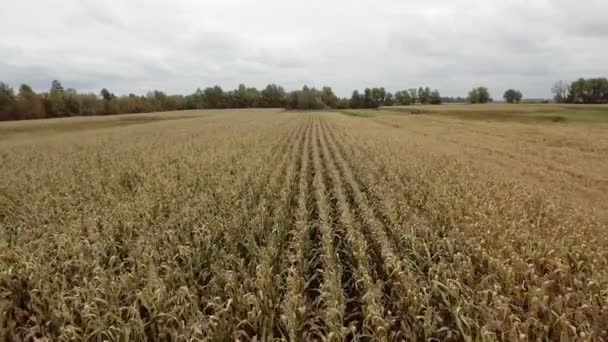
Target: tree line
{"points": [[61, 102], [369, 98], [482, 95], [581, 91], [589, 91]]}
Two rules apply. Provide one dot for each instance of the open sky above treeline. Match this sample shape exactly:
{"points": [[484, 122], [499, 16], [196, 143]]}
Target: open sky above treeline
{"points": [[178, 46]]}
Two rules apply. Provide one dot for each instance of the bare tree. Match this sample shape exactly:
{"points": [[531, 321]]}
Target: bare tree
{"points": [[560, 91]]}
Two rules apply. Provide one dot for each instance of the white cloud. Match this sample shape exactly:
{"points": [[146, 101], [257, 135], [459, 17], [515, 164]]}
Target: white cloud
{"points": [[178, 46]]}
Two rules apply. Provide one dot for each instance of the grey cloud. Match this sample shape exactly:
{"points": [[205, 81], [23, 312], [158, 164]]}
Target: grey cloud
{"points": [[102, 15], [178, 46]]}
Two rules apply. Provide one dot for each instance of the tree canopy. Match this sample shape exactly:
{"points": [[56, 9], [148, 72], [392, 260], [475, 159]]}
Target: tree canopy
{"points": [[59, 101], [479, 95], [512, 96], [591, 91]]}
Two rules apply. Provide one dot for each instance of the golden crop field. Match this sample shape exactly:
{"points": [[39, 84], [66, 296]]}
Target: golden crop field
{"points": [[275, 225]]}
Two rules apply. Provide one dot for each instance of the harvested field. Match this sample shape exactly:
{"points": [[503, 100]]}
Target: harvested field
{"points": [[274, 225], [507, 112], [566, 161]]}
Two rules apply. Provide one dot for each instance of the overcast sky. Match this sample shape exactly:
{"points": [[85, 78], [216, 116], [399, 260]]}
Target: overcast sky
{"points": [[179, 45]]}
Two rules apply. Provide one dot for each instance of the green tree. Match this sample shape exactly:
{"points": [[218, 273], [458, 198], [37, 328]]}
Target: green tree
{"points": [[356, 100], [424, 95], [56, 87], [378, 96], [479, 95], [56, 106], [72, 102], [7, 102], [343, 103], [25, 89], [413, 95], [214, 97], [238, 98], [328, 97], [369, 100], [309, 98], [106, 95], [291, 99], [197, 99], [253, 97], [273, 96], [108, 106], [242, 97], [578, 91], [403, 98], [512, 96], [389, 99], [593, 90], [435, 97], [305, 99], [30, 105]]}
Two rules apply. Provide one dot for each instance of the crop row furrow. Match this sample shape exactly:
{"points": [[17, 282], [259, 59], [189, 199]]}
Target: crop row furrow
{"points": [[270, 271], [246, 235], [331, 295], [414, 298], [353, 249], [353, 308], [295, 306]]}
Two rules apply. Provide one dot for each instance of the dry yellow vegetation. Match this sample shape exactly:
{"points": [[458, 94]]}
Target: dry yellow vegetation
{"points": [[565, 160], [264, 224]]}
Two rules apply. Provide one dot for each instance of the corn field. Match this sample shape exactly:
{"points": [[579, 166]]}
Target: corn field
{"points": [[268, 225]]}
